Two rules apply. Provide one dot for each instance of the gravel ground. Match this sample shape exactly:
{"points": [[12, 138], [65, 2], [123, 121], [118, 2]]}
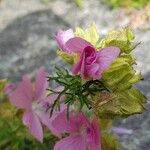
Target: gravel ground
{"points": [[27, 28]]}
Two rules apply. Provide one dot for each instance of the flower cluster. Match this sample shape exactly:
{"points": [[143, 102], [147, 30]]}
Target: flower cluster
{"points": [[98, 89]]}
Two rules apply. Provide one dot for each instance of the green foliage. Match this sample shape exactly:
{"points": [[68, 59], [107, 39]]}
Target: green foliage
{"points": [[121, 75], [119, 104], [3, 82], [14, 136], [119, 38], [69, 58], [79, 3], [75, 89], [123, 99], [91, 34], [110, 142], [127, 3]]}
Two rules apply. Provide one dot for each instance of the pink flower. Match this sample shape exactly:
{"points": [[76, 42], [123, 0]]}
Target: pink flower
{"points": [[82, 132], [32, 98], [62, 37], [92, 63]]}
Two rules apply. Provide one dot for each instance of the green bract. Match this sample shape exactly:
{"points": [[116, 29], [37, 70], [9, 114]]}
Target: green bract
{"points": [[119, 104], [91, 34], [121, 75], [123, 99], [122, 39], [110, 142], [69, 58], [3, 83]]}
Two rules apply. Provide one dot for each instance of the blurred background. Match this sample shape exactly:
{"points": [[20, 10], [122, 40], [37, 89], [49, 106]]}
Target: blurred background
{"points": [[27, 29]]}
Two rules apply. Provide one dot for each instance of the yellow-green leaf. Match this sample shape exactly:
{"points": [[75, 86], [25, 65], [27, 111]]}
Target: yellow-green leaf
{"points": [[110, 142], [3, 83], [119, 38], [121, 75], [69, 58], [91, 34], [119, 104]]}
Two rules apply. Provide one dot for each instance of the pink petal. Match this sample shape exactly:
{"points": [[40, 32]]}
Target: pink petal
{"points": [[63, 125], [34, 125], [93, 70], [80, 66], [47, 120], [62, 37], [22, 96], [106, 57], [76, 67], [94, 136], [72, 125], [122, 130], [77, 44], [53, 96], [41, 83], [71, 143]]}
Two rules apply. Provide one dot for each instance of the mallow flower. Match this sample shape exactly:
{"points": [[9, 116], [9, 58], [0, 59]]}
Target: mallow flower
{"points": [[82, 133], [62, 37], [92, 62], [33, 100]]}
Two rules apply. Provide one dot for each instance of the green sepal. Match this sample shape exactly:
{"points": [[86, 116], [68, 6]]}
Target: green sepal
{"points": [[119, 38], [110, 142], [3, 83], [69, 58], [91, 34], [119, 104], [121, 75]]}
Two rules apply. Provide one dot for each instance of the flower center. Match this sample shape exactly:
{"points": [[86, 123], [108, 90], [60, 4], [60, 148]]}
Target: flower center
{"points": [[88, 130]]}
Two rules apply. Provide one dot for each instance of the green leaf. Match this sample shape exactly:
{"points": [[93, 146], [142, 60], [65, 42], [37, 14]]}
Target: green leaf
{"points": [[91, 34], [69, 58], [121, 75], [15, 136], [122, 39], [105, 124], [119, 104], [110, 142], [3, 83], [79, 3]]}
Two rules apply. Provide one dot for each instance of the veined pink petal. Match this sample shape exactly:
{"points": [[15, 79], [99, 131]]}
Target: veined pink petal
{"points": [[80, 66], [76, 67], [94, 136], [62, 37], [53, 96], [41, 84], [71, 143], [63, 125], [77, 44], [93, 70], [22, 95], [33, 123], [47, 120], [106, 56]]}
